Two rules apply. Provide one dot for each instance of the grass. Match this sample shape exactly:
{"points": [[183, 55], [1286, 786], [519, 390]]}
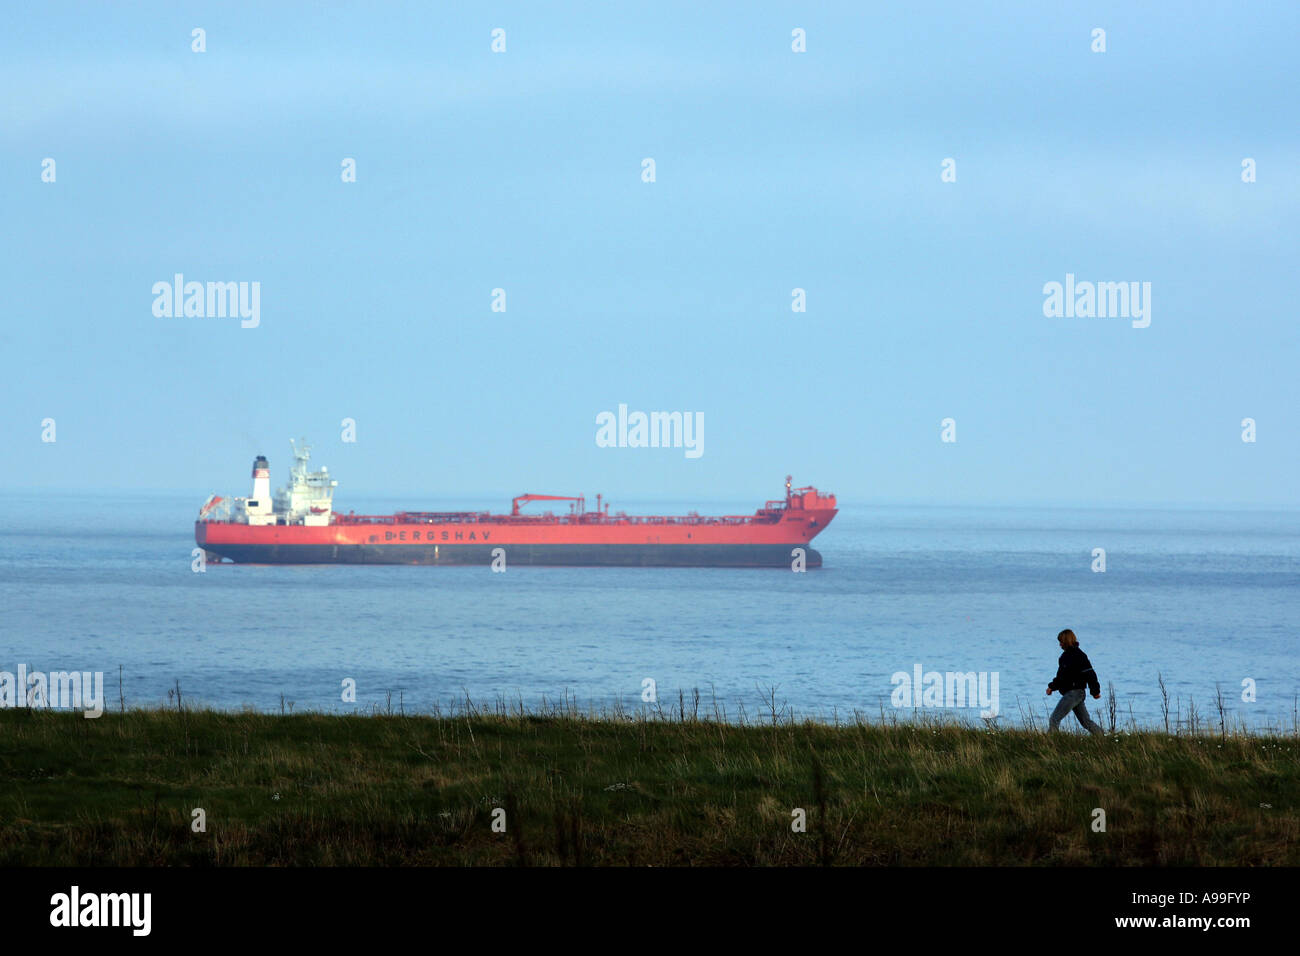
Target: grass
{"points": [[387, 789]]}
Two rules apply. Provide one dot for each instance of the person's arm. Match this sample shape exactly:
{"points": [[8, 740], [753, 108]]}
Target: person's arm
{"points": [[1058, 680], [1090, 675]]}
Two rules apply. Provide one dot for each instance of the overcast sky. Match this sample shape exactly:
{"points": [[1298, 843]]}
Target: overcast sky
{"points": [[774, 170]]}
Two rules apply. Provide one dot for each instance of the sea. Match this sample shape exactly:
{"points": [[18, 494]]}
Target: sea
{"points": [[914, 608]]}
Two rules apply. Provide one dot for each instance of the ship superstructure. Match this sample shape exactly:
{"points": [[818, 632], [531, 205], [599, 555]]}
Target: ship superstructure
{"points": [[308, 499]]}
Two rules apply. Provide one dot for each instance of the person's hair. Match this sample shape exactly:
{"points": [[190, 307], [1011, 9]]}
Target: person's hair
{"points": [[1070, 639]]}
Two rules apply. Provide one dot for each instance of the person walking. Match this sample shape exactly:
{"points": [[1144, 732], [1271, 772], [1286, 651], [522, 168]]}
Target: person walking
{"points": [[1073, 673]]}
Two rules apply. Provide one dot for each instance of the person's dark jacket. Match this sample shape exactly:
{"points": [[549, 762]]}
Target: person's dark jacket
{"points": [[1074, 671]]}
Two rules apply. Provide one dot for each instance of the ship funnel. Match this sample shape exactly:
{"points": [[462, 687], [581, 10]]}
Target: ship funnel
{"points": [[261, 482]]}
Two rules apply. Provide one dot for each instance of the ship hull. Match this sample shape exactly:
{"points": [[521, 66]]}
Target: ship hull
{"points": [[555, 555], [771, 541]]}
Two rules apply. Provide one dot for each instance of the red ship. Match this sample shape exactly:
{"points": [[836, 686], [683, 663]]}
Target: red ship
{"points": [[298, 525]]}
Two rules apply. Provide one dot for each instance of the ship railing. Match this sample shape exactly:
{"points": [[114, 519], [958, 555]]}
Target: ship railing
{"points": [[415, 517], [691, 520], [473, 517], [766, 516]]}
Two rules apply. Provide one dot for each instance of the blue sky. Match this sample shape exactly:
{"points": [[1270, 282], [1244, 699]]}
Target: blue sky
{"points": [[774, 170]]}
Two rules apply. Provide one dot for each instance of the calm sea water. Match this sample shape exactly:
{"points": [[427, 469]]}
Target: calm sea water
{"points": [[1203, 598]]}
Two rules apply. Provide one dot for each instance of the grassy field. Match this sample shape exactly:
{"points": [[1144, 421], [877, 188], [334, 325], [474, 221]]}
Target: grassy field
{"points": [[311, 789]]}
